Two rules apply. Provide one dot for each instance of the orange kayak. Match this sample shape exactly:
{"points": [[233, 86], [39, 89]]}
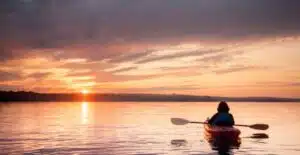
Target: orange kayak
{"points": [[219, 136]]}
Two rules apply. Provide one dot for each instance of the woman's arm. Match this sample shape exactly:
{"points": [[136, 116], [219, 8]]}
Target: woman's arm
{"points": [[232, 120], [210, 121]]}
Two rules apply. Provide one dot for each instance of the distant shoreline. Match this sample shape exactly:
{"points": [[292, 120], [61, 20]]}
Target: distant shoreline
{"points": [[22, 96]]}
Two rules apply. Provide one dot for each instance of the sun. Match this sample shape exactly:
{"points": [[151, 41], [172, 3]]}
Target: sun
{"points": [[84, 91]]}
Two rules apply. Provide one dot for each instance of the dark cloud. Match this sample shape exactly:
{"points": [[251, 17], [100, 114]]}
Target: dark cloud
{"points": [[10, 87], [237, 68], [171, 88], [124, 69], [155, 89], [220, 57], [216, 58], [50, 89], [40, 75], [279, 84], [295, 84], [5, 54], [9, 76], [130, 57], [177, 55], [56, 23]]}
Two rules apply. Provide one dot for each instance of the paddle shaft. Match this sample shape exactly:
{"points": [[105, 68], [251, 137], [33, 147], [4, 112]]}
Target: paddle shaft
{"points": [[181, 121], [207, 123], [198, 122]]}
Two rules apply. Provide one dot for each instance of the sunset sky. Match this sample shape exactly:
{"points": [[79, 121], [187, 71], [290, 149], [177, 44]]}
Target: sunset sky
{"points": [[198, 47]]}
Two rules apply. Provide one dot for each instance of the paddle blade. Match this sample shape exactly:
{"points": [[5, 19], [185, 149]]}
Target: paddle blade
{"points": [[259, 126], [179, 121]]}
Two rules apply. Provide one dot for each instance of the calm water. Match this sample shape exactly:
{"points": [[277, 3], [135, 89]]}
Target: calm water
{"points": [[139, 128]]}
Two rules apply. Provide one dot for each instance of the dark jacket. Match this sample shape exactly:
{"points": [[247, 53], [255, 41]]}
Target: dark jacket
{"points": [[222, 119]]}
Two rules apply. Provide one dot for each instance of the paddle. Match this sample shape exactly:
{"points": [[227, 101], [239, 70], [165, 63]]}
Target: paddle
{"points": [[181, 121]]}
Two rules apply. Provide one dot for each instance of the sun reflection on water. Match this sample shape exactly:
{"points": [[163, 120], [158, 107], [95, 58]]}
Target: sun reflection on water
{"points": [[84, 112]]}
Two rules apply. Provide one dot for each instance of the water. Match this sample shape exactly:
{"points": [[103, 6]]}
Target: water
{"points": [[139, 128]]}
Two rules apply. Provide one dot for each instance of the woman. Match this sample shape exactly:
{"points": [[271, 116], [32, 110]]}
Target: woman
{"points": [[222, 117]]}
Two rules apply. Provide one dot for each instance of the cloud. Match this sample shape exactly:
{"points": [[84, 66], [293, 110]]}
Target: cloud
{"points": [[6, 87], [115, 41], [220, 57], [80, 72], [111, 77], [123, 69], [178, 59], [297, 84], [87, 66], [9, 76], [104, 24], [174, 60], [130, 57], [174, 88], [176, 55], [39, 75], [5, 54], [237, 68], [278, 84]]}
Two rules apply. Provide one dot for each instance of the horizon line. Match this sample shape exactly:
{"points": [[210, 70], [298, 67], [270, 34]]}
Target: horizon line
{"points": [[162, 94]]}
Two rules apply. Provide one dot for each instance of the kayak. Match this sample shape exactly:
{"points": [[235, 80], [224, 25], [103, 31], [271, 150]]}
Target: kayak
{"points": [[220, 136]]}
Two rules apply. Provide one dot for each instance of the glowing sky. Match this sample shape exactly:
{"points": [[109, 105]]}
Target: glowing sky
{"points": [[207, 47]]}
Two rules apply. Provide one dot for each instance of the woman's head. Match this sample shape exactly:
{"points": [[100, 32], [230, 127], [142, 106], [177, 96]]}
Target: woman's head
{"points": [[223, 107]]}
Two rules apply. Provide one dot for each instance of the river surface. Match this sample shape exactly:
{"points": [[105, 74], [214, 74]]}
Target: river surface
{"points": [[134, 128]]}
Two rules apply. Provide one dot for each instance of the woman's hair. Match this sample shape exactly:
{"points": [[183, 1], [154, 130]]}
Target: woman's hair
{"points": [[223, 107]]}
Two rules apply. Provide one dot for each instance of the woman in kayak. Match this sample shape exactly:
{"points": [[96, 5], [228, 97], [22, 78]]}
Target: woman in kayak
{"points": [[222, 117]]}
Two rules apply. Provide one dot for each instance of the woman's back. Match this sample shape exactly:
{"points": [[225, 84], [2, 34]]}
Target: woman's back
{"points": [[222, 119]]}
